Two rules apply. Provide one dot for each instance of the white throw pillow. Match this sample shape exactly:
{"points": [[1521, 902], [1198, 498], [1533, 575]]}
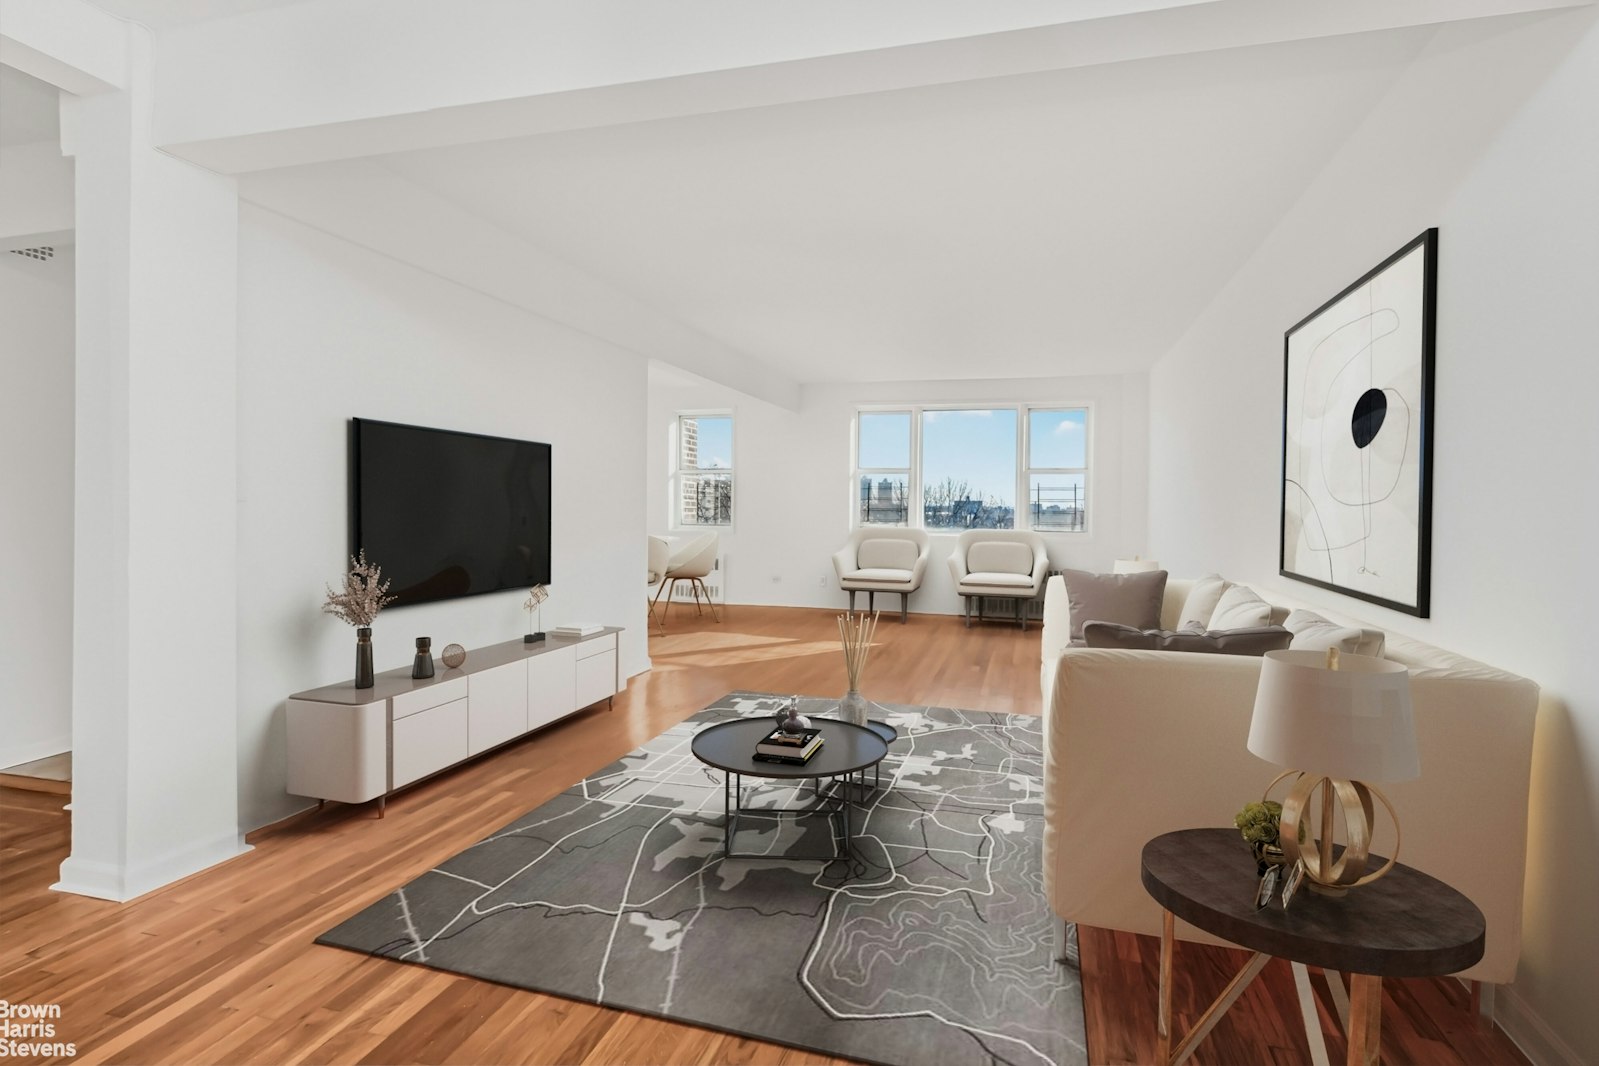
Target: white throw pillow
{"points": [[1312, 632], [1201, 601], [1240, 608]]}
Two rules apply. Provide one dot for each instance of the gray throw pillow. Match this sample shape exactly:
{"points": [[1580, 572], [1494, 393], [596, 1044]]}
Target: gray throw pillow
{"points": [[1202, 600], [1254, 640], [1240, 607], [1129, 599]]}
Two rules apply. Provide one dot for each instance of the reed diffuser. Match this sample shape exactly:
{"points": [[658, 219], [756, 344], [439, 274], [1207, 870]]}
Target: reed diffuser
{"points": [[856, 632]]}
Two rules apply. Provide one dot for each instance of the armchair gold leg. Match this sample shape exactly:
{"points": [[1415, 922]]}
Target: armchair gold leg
{"points": [[708, 601]]}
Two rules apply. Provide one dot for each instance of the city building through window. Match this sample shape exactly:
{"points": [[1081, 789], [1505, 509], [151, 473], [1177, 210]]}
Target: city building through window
{"points": [[954, 468], [703, 477]]}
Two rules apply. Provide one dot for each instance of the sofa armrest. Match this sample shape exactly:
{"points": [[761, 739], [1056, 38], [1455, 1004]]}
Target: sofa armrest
{"points": [[844, 560]]}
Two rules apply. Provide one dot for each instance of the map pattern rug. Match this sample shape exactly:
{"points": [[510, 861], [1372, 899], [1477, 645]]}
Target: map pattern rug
{"points": [[931, 944]]}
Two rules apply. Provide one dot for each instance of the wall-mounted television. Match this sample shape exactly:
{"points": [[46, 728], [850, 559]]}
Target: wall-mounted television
{"points": [[449, 514]]}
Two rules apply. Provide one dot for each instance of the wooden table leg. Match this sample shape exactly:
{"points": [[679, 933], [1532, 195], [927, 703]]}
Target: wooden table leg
{"points": [[1163, 1020], [1365, 1019], [1307, 1011]]}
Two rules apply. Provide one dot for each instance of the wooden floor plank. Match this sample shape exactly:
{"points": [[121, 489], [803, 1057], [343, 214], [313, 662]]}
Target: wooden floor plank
{"points": [[222, 968]]}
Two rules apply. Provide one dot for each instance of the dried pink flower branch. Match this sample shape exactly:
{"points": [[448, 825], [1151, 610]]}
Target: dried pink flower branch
{"points": [[363, 596]]}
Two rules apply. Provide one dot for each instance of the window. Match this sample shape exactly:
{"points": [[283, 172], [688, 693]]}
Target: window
{"points": [[1057, 468], [883, 468], [703, 479], [969, 469], [954, 468]]}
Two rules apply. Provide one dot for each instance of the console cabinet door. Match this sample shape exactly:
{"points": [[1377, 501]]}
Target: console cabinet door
{"points": [[497, 706], [550, 687], [596, 677]]}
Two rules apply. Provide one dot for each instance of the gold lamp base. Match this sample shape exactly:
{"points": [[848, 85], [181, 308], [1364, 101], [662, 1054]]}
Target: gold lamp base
{"points": [[1324, 875]]}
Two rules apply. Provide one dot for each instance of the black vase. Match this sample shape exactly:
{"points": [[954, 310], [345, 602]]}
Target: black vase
{"points": [[423, 666], [363, 658]]}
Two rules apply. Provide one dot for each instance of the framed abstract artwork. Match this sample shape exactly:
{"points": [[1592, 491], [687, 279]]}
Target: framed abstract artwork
{"points": [[1357, 436]]}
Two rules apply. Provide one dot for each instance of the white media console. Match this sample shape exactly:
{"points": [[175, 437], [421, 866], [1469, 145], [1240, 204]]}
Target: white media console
{"points": [[357, 744]]}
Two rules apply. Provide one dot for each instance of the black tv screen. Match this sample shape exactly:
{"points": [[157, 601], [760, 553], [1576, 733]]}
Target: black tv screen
{"points": [[449, 514]]}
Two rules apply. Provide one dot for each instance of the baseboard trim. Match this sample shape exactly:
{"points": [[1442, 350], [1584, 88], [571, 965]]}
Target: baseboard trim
{"points": [[102, 880], [1541, 1044]]}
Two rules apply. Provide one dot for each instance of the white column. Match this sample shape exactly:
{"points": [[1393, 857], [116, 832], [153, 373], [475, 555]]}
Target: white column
{"points": [[156, 591]]}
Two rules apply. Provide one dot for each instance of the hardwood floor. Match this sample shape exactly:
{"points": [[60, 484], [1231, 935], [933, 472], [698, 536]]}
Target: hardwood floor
{"points": [[220, 967]]}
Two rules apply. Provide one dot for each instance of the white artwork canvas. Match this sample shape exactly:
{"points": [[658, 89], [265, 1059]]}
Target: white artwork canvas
{"points": [[1356, 492]]}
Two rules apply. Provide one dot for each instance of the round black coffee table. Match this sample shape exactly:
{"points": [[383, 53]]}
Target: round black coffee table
{"points": [[847, 750], [1405, 925]]}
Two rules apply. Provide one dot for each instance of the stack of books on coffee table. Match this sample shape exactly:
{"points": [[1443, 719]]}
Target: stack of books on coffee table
{"points": [[790, 747]]}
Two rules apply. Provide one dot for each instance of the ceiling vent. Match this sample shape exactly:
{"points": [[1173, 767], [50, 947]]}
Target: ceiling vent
{"points": [[42, 254]]}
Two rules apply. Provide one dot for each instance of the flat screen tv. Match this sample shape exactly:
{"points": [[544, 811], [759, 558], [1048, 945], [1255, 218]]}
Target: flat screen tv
{"points": [[449, 514]]}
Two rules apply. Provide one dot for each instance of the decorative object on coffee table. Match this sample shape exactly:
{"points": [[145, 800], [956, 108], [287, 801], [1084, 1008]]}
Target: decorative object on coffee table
{"points": [[423, 666], [364, 594], [1347, 718], [856, 632], [1357, 436], [790, 719], [454, 655], [535, 602]]}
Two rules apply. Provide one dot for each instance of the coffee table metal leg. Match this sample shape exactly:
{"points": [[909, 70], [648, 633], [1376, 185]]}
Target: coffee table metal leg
{"points": [[1365, 1019]]}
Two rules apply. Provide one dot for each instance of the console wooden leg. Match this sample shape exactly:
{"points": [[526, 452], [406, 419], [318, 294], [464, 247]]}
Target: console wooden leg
{"points": [[383, 804]]}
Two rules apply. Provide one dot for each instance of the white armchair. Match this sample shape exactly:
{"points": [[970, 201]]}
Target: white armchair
{"points": [[657, 559], [691, 560], [1002, 563], [882, 560]]}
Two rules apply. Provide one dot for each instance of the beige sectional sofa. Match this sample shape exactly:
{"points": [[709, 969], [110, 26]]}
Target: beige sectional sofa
{"points": [[1139, 743]]}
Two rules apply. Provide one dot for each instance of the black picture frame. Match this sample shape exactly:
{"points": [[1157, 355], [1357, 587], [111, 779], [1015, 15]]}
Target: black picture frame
{"points": [[1355, 513]]}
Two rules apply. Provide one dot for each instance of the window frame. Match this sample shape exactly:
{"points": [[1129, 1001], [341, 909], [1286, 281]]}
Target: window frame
{"points": [[1027, 469], [678, 472], [1024, 470]]}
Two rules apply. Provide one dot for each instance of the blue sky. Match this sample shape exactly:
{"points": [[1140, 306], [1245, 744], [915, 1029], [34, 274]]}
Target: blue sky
{"points": [[976, 446], [716, 442]]}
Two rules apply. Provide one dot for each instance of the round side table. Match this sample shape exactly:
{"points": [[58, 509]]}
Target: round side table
{"points": [[1405, 925]]}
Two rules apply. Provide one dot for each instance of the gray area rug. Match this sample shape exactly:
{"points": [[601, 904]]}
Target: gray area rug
{"points": [[930, 945]]}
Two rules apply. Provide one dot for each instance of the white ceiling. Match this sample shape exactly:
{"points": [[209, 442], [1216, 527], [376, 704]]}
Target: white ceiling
{"points": [[1060, 223], [164, 14], [29, 109]]}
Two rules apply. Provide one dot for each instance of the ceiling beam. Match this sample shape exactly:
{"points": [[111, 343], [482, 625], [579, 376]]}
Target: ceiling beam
{"points": [[70, 44], [414, 74]]}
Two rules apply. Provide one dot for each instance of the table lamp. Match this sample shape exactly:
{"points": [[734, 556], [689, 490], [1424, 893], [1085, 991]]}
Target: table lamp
{"points": [[1345, 720], [1135, 565]]}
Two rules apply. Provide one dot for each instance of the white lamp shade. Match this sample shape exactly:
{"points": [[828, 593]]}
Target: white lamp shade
{"points": [[1134, 566], [1353, 722]]}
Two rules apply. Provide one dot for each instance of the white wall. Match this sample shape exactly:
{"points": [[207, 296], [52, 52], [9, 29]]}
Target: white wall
{"points": [[36, 430], [793, 498], [328, 331], [1507, 167]]}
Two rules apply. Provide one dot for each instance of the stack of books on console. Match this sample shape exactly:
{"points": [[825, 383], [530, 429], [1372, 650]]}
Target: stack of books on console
{"points": [[577, 629], [796, 747]]}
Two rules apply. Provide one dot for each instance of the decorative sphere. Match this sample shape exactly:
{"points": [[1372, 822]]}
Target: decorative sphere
{"points": [[454, 655]]}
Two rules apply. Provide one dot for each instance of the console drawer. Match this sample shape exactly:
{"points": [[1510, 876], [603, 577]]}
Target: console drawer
{"points": [[596, 678], [408, 703], [428, 741]]}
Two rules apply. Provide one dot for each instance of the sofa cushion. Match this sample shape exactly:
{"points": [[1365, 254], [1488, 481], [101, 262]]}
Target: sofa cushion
{"points": [[1253, 640], [1312, 632], [1239, 608], [887, 553], [1000, 557], [1202, 600], [878, 573], [1127, 599], [992, 579]]}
